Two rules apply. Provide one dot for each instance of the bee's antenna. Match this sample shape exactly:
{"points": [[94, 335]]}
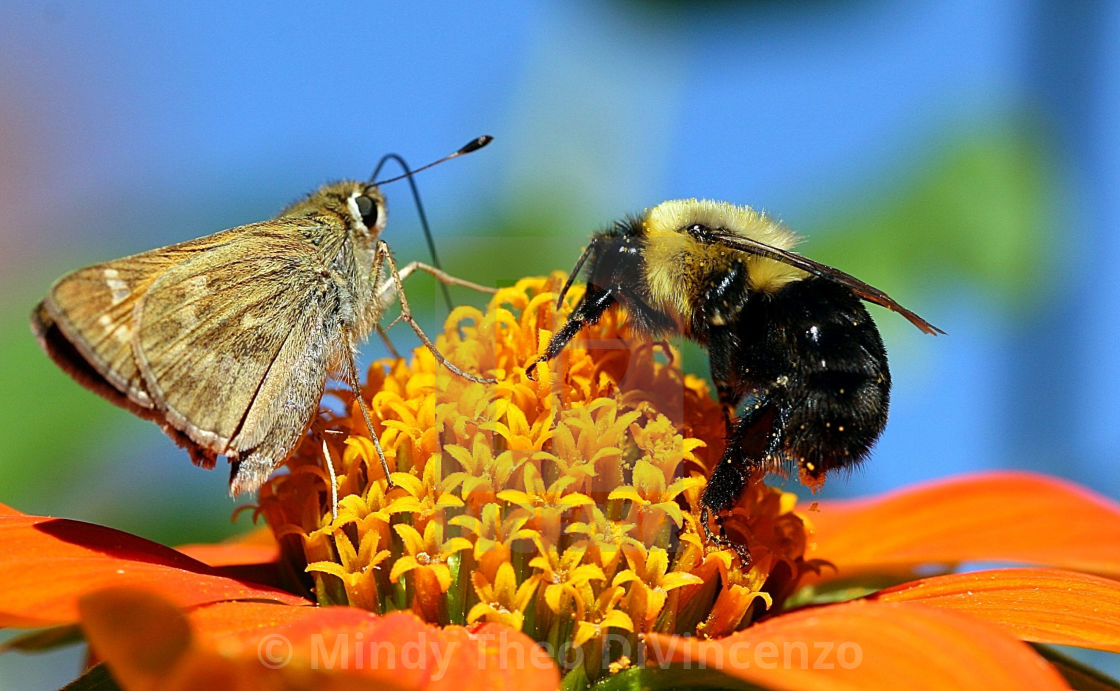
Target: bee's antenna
{"points": [[575, 272], [473, 145]]}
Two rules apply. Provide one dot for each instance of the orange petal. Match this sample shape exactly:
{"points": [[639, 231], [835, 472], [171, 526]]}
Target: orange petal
{"points": [[867, 645], [148, 642], [255, 547], [46, 564], [1040, 605], [253, 556], [1019, 517], [398, 648], [140, 634]]}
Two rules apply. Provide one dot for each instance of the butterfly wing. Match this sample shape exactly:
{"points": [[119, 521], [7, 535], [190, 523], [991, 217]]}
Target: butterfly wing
{"points": [[867, 292], [85, 322], [235, 345]]}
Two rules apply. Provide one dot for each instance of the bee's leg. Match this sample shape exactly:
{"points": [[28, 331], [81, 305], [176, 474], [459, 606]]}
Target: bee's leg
{"points": [[729, 477], [721, 364], [728, 480], [383, 254], [721, 540], [590, 309], [724, 486], [727, 403], [350, 370]]}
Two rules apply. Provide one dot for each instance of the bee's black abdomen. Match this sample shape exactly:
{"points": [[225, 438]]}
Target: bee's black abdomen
{"points": [[810, 358]]}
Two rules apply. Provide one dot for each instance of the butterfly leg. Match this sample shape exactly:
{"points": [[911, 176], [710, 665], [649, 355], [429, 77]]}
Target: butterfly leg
{"points": [[388, 290], [383, 254], [388, 343], [443, 277], [350, 370], [384, 294]]}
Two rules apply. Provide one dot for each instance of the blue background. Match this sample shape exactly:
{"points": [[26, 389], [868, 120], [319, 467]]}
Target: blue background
{"points": [[963, 156]]}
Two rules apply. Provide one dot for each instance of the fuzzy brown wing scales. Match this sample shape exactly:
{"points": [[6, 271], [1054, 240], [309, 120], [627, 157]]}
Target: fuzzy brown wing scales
{"points": [[237, 349], [92, 310]]}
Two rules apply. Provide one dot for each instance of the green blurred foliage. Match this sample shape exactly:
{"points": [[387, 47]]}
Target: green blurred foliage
{"points": [[977, 213], [30, 432]]}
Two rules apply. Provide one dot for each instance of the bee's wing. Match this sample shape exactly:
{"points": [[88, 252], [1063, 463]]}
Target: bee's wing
{"points": [[235, 345], [91, 310], [863, 290]]}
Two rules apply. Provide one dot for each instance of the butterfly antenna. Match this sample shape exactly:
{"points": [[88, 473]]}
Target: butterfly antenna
{"points": [[473, 145]]}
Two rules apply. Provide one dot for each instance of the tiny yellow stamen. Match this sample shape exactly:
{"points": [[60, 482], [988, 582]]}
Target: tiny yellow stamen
{"points": [[566, 506]]}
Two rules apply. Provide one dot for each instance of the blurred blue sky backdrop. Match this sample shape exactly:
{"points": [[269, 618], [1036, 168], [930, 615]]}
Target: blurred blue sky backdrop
{"points": [[963, 156]]}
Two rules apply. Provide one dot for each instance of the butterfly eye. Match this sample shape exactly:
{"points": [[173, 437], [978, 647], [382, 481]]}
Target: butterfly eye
{"points": [[368, 209]]}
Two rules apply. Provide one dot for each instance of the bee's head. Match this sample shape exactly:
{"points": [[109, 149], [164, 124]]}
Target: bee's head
{"points": [[612, 257]]}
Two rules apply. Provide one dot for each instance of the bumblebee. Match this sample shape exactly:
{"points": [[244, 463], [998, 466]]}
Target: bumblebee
{"points": [[798, 365]]}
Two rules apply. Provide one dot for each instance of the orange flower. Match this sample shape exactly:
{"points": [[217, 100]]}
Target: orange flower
{"points": [[548, 528]]}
